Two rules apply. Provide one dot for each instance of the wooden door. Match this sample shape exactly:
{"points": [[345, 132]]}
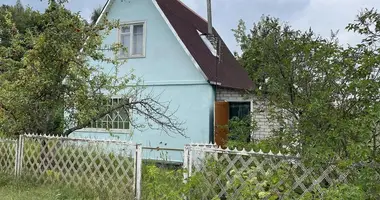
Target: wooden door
{"points": [[221, 123]]}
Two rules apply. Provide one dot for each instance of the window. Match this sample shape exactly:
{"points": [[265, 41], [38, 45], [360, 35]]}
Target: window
{"points": [[132, 37], [208, 43], [240, 131], [118, 119], [240, 109]]}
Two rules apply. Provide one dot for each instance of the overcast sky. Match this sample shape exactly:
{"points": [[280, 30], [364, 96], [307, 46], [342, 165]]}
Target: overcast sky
{"points": [[322, 15]]}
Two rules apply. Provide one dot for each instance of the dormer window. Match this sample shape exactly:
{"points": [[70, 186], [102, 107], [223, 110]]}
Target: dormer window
{"points": [[132, 37], [208, 43]]}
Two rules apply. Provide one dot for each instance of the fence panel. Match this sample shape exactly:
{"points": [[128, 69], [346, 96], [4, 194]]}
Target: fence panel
{"points": [[8, 156], [122, 170], [233, 174], [105, 166]]}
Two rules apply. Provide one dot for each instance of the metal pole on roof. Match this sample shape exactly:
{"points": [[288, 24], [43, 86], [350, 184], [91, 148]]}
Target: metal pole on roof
{"points": [[215, 42], [209, 17]]}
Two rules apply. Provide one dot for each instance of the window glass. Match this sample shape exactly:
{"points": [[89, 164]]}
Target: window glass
{"points": [[239, 109], [138, 33], [132, 38], [118, 119]]}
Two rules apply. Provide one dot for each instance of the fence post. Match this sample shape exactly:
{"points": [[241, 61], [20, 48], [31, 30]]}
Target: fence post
{"points": [[185, 163], [190, 161], [19, 155], [138, 170], [17, 152]]}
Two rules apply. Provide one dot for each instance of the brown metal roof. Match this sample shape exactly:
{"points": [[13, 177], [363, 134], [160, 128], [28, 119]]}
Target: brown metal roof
{"points": [[227, 72]]}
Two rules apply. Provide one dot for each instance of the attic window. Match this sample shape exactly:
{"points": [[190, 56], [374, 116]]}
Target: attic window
{"points": [[208, 43], [132, 36]]}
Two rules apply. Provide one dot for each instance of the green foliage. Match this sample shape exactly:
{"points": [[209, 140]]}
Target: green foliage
{"points": [[96, 14], [158, 183], [167, 183], [241, 129], [366, 177], [24, 188], [343, 191], [24, 19], [323, 96], [56, 73], [256, 185], [239, 136]]}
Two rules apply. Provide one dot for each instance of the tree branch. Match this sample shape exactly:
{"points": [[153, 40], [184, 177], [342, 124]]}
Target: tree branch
{"points": [[150, 108]]}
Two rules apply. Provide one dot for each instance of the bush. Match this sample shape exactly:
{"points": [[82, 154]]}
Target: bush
{"points": [[260, 183], [166, 184], [161, 183], [345, 191]]}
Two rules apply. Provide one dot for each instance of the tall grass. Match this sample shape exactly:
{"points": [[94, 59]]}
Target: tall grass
{"points": [[24, 188]]}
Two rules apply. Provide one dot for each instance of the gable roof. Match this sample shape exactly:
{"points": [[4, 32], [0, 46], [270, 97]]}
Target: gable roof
{"points": [[224, 71]]}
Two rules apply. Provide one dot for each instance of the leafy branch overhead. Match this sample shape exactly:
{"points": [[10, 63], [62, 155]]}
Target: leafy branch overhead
{"points": [[57, 72]]}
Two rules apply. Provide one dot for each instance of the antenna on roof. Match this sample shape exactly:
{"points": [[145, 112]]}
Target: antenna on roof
{"points": [[209, 17]]}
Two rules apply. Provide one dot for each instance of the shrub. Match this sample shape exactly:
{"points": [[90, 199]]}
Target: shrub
{"points": [[260, 183], [161, 183]]}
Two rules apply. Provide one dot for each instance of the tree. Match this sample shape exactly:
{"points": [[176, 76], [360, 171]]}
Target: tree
{"points": [[95, 15], [60, 83], [318, 91], [23, 18]]}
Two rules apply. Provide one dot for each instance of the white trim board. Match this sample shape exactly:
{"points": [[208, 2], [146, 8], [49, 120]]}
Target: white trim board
{"points": [[170, 83]]}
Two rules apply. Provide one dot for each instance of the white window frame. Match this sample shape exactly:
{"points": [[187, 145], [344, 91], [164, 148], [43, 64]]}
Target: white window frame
{"points": [[104, 130], [131, 24]]}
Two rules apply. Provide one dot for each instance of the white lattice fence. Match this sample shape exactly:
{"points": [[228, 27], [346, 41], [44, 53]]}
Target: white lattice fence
{"points": [[7, 155], [106, 166], [234, 174]]}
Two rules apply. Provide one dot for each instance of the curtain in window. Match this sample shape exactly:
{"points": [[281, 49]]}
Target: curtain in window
{"points": [[126, 37], [138, 39]]}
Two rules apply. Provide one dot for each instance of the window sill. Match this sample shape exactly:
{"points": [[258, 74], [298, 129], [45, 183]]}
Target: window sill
{"points": [[102, 130]]}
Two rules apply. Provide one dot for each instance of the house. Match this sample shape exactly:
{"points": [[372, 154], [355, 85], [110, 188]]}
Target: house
{"points": [[169, 50]]}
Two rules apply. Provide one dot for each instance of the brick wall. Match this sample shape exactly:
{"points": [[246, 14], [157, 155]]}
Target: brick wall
{"points": [[224, 94], [260, 112], [261, 116]]}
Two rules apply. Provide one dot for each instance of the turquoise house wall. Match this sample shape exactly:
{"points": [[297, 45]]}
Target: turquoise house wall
{"points": [[167, 70]]}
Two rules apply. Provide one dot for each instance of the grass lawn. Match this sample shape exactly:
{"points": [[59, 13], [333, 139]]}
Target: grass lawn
{"points": [[13, 189]]}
